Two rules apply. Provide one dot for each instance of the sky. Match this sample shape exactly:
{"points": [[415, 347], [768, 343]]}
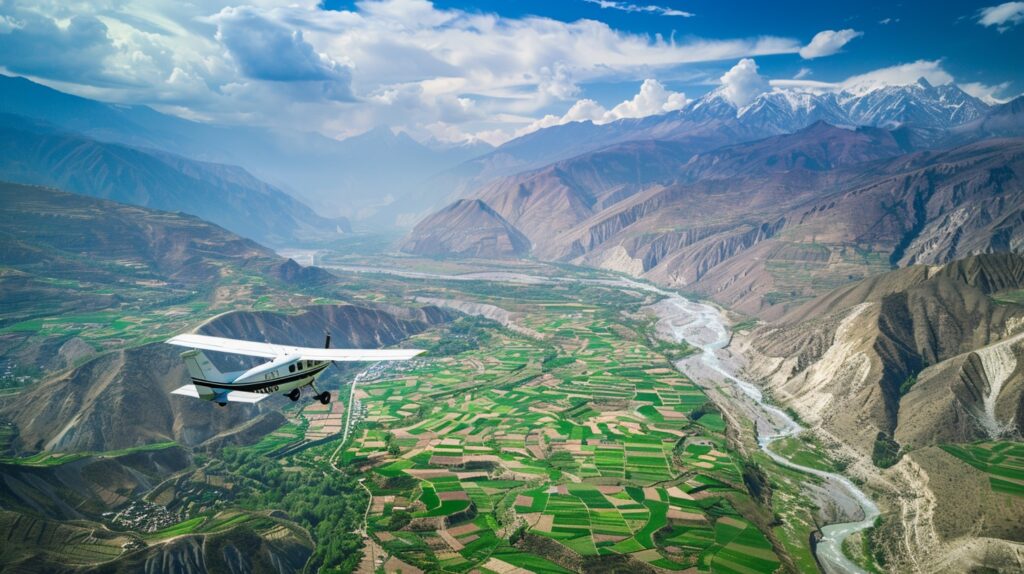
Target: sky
{"points": [[457, 71]]}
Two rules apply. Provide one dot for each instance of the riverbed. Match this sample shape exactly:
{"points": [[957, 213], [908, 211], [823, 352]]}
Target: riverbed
{"points": [[703, 326]]}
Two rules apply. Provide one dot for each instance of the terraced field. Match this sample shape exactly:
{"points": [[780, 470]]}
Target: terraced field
{"points": [[1003, 461], [581, 444]]}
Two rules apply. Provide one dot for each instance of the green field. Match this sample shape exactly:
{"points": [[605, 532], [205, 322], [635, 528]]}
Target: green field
{"points": [[1003, 461], [579, 423]]}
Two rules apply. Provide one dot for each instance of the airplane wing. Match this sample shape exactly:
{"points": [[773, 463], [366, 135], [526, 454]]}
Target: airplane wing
{"points": [[230, 396], [270, 350]]}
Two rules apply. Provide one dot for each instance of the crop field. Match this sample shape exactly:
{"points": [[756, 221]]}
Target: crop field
{"points": [[1003, 461], [584, 436]]}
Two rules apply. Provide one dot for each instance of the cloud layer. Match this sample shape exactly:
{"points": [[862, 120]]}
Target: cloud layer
{"points": [[445, 73]]}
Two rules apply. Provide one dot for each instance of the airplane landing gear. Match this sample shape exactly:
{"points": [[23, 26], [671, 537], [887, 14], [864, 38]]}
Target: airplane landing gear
{"points": [[323, 397], [294, 395]]}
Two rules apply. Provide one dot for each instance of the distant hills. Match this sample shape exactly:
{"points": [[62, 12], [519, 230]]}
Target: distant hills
{"points": [[33, 152], [377, 176], [764, 224], [69, 258]]}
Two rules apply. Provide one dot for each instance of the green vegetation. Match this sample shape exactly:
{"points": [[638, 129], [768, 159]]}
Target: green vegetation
{"points": [[589, 423], [330, 504], [44, 459], [1003, 461], [886, 451], [805, 452]]}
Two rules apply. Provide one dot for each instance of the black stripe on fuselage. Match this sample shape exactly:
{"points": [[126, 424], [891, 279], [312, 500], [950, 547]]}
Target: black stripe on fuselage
{"points": [[250, 387]]}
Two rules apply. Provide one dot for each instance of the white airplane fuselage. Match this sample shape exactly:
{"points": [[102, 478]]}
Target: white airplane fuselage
{"points": [[282, 375]]}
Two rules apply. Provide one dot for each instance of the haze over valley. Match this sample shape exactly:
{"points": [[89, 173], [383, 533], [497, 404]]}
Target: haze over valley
{"points": [[698, 287]]}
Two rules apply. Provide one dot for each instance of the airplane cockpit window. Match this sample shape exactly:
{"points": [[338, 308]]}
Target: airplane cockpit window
{"points": [[291, 368]]}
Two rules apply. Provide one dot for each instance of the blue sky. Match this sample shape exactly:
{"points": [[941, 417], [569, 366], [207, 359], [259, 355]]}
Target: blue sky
{"points": [[491, 70]]}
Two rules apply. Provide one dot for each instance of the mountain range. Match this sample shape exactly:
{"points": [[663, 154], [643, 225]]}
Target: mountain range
{"points": [[353, 178], [41, 154], [765, 224], [713, 120]]}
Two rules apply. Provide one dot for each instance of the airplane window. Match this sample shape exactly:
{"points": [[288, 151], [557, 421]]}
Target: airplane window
{"points": [[291, 368]]}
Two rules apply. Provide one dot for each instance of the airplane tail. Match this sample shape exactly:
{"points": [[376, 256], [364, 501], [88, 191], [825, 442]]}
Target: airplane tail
{"points": [[201, 369]]}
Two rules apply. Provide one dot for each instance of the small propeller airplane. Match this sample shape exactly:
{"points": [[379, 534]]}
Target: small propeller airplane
{"points": [[289, 368]]}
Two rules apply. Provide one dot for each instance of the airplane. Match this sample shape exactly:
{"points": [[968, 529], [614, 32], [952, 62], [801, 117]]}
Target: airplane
{"points": [[289, 369]]}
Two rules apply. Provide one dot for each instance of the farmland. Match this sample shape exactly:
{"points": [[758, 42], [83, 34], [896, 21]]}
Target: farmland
{"points": [[1003, 461], [578, 445]]}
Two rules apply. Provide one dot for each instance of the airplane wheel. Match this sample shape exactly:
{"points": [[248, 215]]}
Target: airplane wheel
{"points": [[324, 397], [222, 404], [294, 395]]}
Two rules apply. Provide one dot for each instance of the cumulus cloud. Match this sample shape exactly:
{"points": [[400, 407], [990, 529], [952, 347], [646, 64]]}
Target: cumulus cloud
{"points": [[828, 42], [649, 8], [267, 50], [406, 63], [742, 83], [72, 51], [1003, 16], [652, 99]]}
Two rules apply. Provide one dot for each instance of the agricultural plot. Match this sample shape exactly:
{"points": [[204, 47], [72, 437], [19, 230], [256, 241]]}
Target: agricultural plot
{"points": [[585, 437], [1003, 461]]}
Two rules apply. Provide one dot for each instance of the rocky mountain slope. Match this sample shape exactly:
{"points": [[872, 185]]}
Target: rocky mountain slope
{"points": [[764, 225], [924, 354], [63, 253], [898, 367], [41, 154], [467, 228]]}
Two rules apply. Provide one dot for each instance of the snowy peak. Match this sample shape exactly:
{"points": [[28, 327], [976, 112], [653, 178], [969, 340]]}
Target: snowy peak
{"points": [[783, 110]]}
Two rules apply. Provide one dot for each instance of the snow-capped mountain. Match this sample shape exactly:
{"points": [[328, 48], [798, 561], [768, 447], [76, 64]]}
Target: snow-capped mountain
{"points": [[785, 110], [926, 112]]}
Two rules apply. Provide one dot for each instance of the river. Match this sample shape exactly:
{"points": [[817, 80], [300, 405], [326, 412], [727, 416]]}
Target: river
{"points": [[703, 326]]}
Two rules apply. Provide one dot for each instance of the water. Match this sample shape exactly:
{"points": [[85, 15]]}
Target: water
{"points": [[702, 326]]}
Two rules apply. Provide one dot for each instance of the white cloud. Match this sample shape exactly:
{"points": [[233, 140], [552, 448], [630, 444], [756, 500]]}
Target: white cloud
{"points": [[407, 63], [802, 73], [828, 42], [742, 83], [652, 99], [986, 93], [885, 21], [901, 75], [1003, 17], [268, 50], [650, 8]]}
